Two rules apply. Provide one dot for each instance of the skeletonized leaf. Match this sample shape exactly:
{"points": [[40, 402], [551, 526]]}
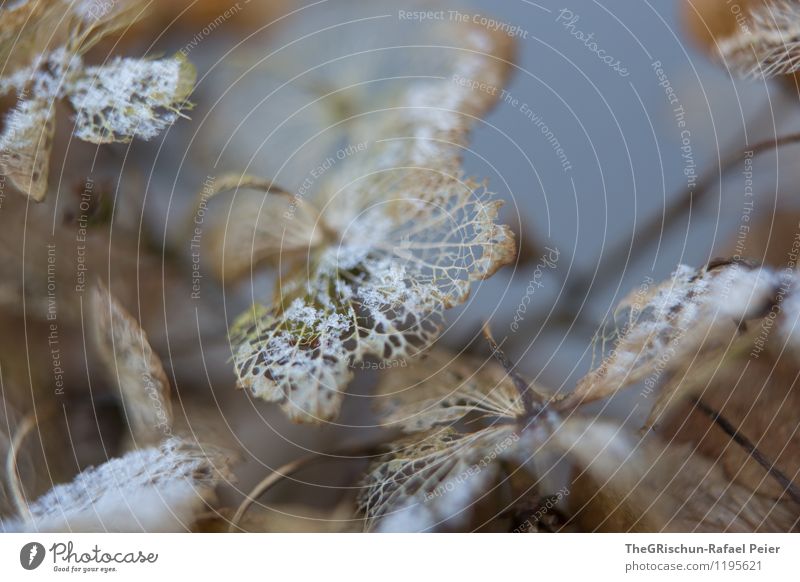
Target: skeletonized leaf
{"points": [[432, 481], [405, 236], [114, 102], [382, 292], [140, 376], [444, 388], [149, 490], [667, 326]]}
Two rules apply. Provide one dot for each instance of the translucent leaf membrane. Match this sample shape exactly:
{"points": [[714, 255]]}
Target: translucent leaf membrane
{"points": [[382, 292], [443, 389], [415, 140], [770, 44], [25, 145], [129, 359], [150, 490], [404, 238], [432, 480], [262, 225]]}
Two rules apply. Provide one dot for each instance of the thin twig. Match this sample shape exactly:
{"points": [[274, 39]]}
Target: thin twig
{"points": [[786, 483], [522, 386], [12, 469], [658, 224], [293, 467]]}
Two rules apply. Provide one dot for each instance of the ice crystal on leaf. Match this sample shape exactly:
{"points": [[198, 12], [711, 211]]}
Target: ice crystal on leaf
{"points": [[117, 101], [158, 489], [469, 431], [394, 237], [691, 315], [769, 46]]}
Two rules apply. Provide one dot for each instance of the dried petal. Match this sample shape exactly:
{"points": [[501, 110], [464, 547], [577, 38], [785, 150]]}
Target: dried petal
{"points": [[432, 481], [140, 377], [25, 146]]}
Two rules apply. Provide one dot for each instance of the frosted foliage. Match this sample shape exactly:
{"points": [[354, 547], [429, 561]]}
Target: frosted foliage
{"points": [[151, 490], [661, 328], [381, 293], [403, 237], [433, 480], [25, 146], [127, 98], [769, 46], [113, 102]]}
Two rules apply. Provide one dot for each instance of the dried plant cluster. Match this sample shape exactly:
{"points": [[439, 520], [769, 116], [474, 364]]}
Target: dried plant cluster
{"points": [[366, 264]]}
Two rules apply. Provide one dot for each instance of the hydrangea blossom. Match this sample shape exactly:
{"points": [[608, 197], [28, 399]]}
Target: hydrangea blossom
{"points": [[394, 236]]}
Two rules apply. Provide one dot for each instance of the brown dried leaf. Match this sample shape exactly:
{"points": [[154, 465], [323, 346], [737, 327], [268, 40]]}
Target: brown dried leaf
{"points": [[25, 145], [140, 377]]}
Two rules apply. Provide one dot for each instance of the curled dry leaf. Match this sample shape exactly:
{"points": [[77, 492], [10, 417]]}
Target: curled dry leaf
{"points": [[139, 374], [398, 238], [757, 395], [159, 489], [769, 44], [112, 102], [625, 484], [249, 235]]}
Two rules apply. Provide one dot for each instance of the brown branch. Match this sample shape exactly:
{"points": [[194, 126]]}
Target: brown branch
{"points": [[658, 224], [522, 386]]}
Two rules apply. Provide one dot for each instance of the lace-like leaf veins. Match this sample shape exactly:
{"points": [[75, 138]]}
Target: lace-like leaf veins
{"points": [[43, 43], [393, 238]]}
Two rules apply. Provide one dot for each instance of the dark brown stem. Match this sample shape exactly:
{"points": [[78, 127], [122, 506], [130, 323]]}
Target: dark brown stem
{"points": [[658, 224], [522, 386], [788, 486]]}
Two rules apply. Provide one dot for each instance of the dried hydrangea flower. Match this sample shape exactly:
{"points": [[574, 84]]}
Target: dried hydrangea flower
{"points": [[393, 237], [770, 44], [432, 478], [158, 489], [116, 101]]}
